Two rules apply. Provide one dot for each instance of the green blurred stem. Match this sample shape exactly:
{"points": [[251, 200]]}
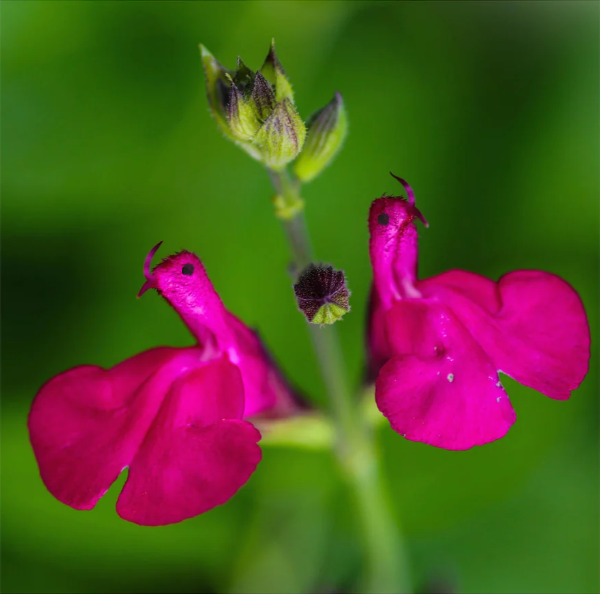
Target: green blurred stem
{"points": [[386, 567], [297, 235], [388, 570]]}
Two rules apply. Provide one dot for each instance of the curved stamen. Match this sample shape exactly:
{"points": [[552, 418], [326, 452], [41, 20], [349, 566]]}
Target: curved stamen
{"points": [[148, 261], [409, 190], [411, 198], [149, 284]]}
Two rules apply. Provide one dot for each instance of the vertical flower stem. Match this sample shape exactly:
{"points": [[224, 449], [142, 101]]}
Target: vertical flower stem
{"points": [[386, 567], [297, 234], [384, 549]]}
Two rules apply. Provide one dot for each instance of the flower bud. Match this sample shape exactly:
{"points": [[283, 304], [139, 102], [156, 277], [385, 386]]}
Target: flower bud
{"points": [[241, 117], [273, 71], [262, 98], [217, 88], [322, 294], [256, 109], [327, 130], [282, 136], [243, 77]]}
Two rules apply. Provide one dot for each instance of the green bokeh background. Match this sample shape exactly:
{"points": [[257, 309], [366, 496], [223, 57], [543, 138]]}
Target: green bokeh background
{"points": [[490, 110]]}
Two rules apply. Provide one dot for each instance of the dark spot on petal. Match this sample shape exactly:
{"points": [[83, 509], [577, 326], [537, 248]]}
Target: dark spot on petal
{"points": [[383, 219], [188, 269]]}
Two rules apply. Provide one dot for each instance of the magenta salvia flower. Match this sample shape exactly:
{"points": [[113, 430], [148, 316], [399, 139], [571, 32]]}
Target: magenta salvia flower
{"points": [[438, 344], [174, 416]]}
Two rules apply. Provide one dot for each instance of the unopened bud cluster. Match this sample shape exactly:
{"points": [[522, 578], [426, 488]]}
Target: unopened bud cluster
{"points": [[256, 110]]}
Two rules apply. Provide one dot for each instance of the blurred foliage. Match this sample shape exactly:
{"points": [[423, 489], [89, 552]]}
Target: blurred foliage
{"points": [[490, 110]]}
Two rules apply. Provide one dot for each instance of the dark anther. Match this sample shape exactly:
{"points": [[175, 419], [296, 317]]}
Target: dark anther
{"points": [[188, 269], [383, 219]]}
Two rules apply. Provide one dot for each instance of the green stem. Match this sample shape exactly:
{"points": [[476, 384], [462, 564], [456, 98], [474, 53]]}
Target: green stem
{"points": [[386, 567], [297, 235], [331, 364], [384, 550]]}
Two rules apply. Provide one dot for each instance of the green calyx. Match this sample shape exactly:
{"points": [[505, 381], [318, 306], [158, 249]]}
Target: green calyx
{"points": [[273, 71], [282, 135], [329, 313], [327, 129], [241, 116], [217, 87], [255, 109]]}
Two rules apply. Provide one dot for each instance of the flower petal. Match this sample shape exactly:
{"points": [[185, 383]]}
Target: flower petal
{"points": [[87, 423], [537, 332], [265, 389], [378, 349], [479, 289], [195, 456], [413, 327], [443, 390]]}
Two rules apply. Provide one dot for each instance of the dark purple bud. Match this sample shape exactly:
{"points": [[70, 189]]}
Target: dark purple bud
{"points": [[322, 294], [243, 77], [241, 116], [263, 97]]}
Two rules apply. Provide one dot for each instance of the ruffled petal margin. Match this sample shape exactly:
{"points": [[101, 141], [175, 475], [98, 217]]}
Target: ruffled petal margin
{"points": [[86, 424], [531, 324], [175, 420], [197, 454], [444, 391]]}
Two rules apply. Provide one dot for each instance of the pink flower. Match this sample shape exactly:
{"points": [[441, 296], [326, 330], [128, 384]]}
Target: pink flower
{"points": [[174, 416], [438, 344]]}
